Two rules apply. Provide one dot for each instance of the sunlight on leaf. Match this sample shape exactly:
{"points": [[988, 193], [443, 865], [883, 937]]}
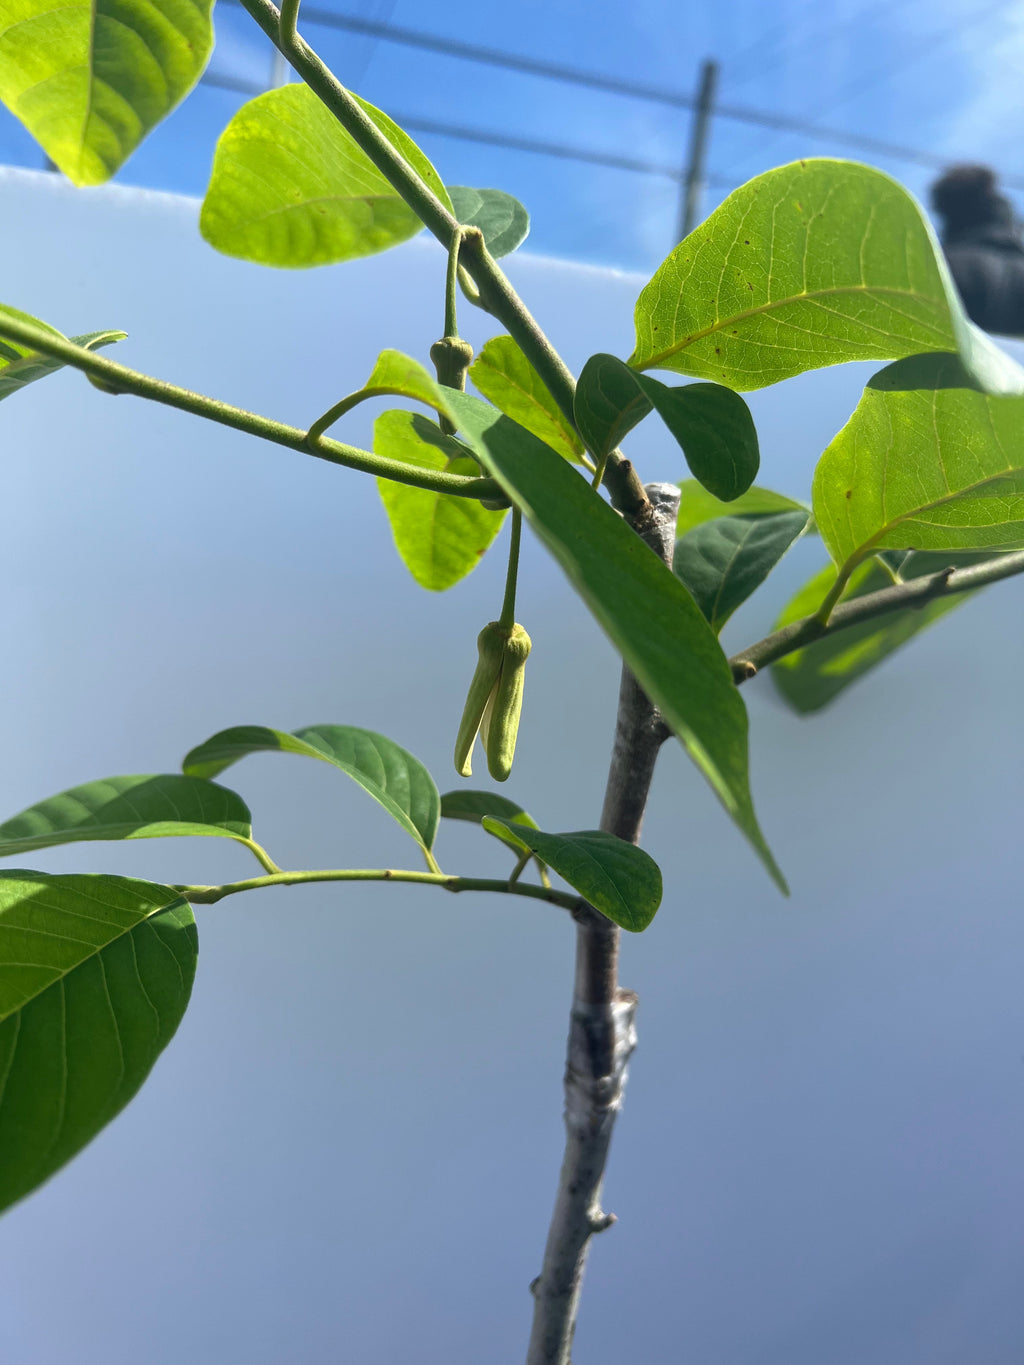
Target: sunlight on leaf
{"points": [[95, 975], [90, 78]]}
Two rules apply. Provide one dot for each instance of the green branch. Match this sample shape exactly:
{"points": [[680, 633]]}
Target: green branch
{"points": [[207, 895], [913, 593], [497, 295], [508, 606], [111, 377]]}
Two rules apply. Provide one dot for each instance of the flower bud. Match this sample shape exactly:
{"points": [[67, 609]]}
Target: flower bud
{"points": [[500, 724], [495, 700], [452, 357], [490, 644]]}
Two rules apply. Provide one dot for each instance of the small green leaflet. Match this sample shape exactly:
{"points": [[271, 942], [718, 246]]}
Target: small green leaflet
{"points": [[617, 878], [504, 375], [440, 538], [389, 773], [608, 404], [95, 975], [397, 375], [712, 424], [812, 677], [464, 804], [90, 78], [725, 560], [474, 805], [813, 264], [141, 807], [502, 219], [697, 505], [20, 365], [290, 187], [928, 461]]}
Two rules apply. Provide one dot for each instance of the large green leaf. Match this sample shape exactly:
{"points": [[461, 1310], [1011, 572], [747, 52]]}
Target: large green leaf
{"points": [[90, 78], [504, 375], [927, 461], [95, 975], [647, 613], [617, 878], [20, 365], [811, 677], [697, 505], [725, 560], [290, 187], [711, 423], [504, 222], [440, 538], [389, 773], [812, 264], [143, 807]]}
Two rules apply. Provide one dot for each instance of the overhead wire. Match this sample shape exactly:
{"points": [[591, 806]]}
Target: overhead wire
{"points": [[595, 80], [762, 150], [538, 146]]}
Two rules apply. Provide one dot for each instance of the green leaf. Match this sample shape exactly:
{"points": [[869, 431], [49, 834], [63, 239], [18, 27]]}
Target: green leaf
{"points": [[504, 375], [646, 612], [712, 424], [927, 461], [697, 505], [95, 975], [20, 365], [90, 78], [813, 264], [502, 219], [608, 403], [143, 807], [440, 538], [812, 677], [389, 773], [474, 805], [290, 187], [723, 561], [617, 878]]}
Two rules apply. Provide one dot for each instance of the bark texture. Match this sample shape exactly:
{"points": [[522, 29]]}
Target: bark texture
{"points": [[602, 1029]]}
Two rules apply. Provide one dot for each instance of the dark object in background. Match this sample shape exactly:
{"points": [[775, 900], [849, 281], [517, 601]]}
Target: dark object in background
{"points": [[983, 246]]}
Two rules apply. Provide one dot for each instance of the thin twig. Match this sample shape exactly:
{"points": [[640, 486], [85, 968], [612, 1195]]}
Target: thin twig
{"points": [[209, 895], [910, 593], [112, 377]]}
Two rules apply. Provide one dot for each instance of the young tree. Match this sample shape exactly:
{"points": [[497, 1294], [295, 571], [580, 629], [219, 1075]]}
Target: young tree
{"points": [[916, 500]]}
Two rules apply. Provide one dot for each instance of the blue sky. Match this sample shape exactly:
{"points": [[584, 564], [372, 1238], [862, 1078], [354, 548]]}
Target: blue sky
{"points": [[938, 75]]}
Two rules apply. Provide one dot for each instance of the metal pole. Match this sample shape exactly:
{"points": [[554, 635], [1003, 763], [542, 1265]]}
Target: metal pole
{"points": [[693, 184]]}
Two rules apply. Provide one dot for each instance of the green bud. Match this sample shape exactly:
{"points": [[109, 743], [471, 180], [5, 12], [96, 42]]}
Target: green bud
{"points": [[490, 644], [499, 726], [495, 700], [452, 357]]}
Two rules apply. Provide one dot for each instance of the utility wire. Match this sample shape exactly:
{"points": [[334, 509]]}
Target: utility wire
{"points": [[773, 47], [489, 56], [854, 89], [518, 144]]}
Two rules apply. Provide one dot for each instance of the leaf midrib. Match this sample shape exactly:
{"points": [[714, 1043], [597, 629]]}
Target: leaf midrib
{"points": [[97, 949], [863, 550], [762, 309]]}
